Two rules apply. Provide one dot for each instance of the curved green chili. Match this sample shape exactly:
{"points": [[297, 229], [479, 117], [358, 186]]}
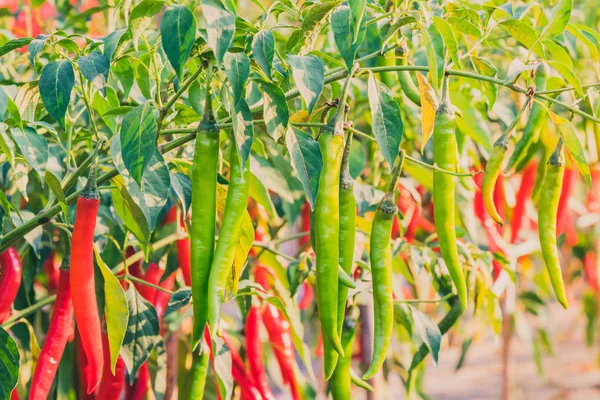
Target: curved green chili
{"points": [[547, 212], [494, 166], [327, 222], [341, 379], [408, 86], [380, 253], [204, 209], [445, 156], [229, 235], [537, 117], [199, 370]]}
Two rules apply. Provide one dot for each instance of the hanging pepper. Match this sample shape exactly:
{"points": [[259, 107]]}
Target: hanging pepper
{"points": [[564, 212], [183, 245], [410, 90], [523, 196], [111, 386], [445, 155], [341, 380], [490, 228], [280, 337], [204, 212], [254, 352], [10, 280], [83, 287], [380, 253], [547, 214], [56, 340], [51, 266]]}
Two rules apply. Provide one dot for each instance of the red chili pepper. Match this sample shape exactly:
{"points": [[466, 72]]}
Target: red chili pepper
{"points": [[152, 275], [10, 280], [83, 287], [593, 196], [523, 195], [500, 200], [489, 225], [570, 229], [254, 351], [563, 206], [280, 337], [111, 386], [55, 342], [82, 366], [238, 370], [307, 296], [14, 395], [262, 276], [51, 266], [305, 224], [135, 269], [140, 387], [183, 246], [590, 270]]}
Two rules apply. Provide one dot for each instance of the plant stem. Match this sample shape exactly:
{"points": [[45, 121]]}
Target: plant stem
{"points": [[143, 282], [31, 309], [417, 301]]}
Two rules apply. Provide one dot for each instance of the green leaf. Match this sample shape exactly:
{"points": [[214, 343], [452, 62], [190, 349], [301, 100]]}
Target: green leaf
{"points": [[222, 366], [243, 128], [94, 68], [237, 69], [3, 104], [36, 46], [263, 50], [149, 197], [524, 34], [123, 70], [307, 161], [309, 75], [138, 134], [178, 31], [56, 187], [11, 362], [445, 30], [357, 9], [111, 43], [260, 194], [141, 17], [275, 112], [6, 145], [14, 44], [472, 122], [558, 53], [434, 48], [561, 14], [220, 27], [568, 74], [33, 147], [343, 25], [428, 331], [312, 21], [115, 309], [178, 300], [573, 144], [142, 332], [386, 120], [388, 30], [55, 85], [485, 67]]}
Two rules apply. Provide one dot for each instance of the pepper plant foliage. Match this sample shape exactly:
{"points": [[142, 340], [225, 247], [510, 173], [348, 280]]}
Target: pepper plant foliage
{"points": [[128, 78]]}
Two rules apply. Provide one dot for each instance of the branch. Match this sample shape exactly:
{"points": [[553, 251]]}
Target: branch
{"points": [[31, 309]]}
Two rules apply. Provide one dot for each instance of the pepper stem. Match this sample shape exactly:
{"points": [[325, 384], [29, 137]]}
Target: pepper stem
{"points": [[90, 190], [502, 141], [396, 171], [346, 181], [208, 123], [445, 106], [557, 158], [336, 124]]}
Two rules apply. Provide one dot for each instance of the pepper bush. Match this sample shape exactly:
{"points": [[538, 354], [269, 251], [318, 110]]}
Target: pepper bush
{"points": [[120, 88]]}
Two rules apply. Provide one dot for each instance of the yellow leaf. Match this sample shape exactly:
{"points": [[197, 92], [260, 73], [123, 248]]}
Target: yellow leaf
{"points": [[429, 105]]}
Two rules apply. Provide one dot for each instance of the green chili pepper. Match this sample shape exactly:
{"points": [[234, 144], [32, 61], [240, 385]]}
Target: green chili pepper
{"points": [[198, 374], [341, 380], [204, 206], [327, 222], [537, 118], [494, 166], [445, 156], [229, 235], [540, 173], [406, 83], [380, 253], [356, 380], [547, 212], [346, 243]]}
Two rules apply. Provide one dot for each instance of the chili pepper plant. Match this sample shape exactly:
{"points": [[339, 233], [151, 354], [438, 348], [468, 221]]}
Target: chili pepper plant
{"points": [[289, 199]]}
